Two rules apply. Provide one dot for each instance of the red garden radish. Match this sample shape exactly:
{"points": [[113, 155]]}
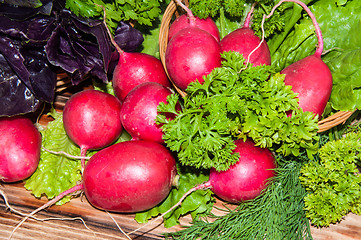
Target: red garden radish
{"points": [[182, 22], [244, 41], [191, 54], [310, 77], [247, 178], [134, 68], [20, 144], [139, 111], [129, 176], [92, 119]]}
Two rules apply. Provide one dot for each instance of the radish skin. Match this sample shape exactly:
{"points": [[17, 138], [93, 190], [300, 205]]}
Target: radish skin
{"points": [[191, 53], [244, 41], [134, 69], [20, 145], [139, 111], [246, 179], [129, 176], [92, 119], [182, 22]]}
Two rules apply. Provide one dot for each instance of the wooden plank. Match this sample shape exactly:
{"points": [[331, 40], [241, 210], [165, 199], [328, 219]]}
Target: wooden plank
{"points": [[101, 226]]}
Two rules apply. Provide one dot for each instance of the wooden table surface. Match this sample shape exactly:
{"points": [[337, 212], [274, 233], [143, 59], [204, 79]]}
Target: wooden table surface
{"points": [[101, 226]]}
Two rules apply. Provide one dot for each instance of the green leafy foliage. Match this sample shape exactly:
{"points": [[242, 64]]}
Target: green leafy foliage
{"points": [[55, 173], [339, 26], [143, 12], [236, 11], [198, 203], [236, 102], [276, 214], [333, 181]]}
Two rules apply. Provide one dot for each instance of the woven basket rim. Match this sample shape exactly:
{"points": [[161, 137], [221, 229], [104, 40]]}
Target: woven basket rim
{"points": [[323, 125]]}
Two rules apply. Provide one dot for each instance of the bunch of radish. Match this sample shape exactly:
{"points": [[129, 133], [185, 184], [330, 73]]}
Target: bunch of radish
{"points": [[137, 175]]}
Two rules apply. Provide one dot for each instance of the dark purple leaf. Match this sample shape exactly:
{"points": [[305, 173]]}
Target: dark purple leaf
{"points": [[80, 47], [127, 37], [15, 97], [9, 49]]}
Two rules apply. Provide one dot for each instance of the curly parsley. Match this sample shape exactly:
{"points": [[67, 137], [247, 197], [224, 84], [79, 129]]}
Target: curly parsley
{"points": [[333, 181], [235, 103]]}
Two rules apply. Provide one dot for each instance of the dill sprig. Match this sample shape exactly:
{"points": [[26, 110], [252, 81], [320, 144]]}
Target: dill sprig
{"points": [[276, 214]]}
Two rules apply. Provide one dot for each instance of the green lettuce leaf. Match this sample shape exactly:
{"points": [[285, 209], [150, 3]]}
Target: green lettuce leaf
{"points": [[55, 173], [198, 203]]}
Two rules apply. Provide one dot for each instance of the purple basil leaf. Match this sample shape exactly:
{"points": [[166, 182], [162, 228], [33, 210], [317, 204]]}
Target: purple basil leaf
{"points": [[42, 76], [80, 47], [15, 97], [9, 49], [127, 37], [20, 11]]}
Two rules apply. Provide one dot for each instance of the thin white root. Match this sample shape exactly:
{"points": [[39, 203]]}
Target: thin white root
{"points": [[11, 209], [120, 229], [48, 204], [65, 154]]}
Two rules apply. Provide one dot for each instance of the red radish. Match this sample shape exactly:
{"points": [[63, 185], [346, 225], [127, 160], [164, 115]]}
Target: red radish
{"points": [[247, 178], [139, 111], [191, 54], [92, 119], [244, 41], [135, 68], [182, 22], [20, 144], [309, 77], [130, 176]]}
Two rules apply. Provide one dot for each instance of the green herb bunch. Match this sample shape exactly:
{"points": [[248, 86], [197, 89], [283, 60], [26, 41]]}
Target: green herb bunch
{"points": [[144, 12], [235, 102], [276, 214], [237, 10], [333, 181]]}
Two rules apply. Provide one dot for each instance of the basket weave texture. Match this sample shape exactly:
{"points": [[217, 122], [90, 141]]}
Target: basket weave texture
{"points": [[171, 12]]}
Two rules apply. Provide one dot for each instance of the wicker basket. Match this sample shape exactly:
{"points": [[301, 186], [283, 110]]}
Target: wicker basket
{"points": [[171, 12]]}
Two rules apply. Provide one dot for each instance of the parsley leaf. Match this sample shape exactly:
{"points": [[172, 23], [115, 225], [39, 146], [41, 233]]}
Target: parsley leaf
{"points": [[333, 181], [235, 103]]}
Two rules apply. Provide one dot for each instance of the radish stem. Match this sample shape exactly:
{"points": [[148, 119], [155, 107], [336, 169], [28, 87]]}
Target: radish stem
{"points": [[190, 15], [319, 48]]}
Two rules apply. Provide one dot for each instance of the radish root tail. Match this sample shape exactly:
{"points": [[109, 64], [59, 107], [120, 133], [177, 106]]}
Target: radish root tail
{"points": [[203, 186]]}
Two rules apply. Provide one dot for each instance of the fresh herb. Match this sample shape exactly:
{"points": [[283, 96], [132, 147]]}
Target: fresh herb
{"points": [[236, 10], [236, 102], [276, 214], [198, 203], [143, 12], [333, 181]]}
